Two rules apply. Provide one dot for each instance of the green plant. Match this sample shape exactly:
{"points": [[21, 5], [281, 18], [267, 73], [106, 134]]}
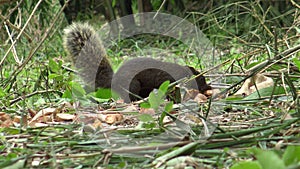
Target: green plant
{"points": [[267, 159]]}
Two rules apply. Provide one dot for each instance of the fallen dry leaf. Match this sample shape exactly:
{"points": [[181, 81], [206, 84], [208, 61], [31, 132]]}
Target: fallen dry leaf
{"points": [[193, 118], [31, 112], [5, 120], [147, 111], [190, 95], [110, 118], [64, 116], [214, 92], [43, 112], [97, 124], [17, 119], [89, 128], [34, 124], [200, 98], [4, 116], [130, 108], [36, 162], [45, 119], [209, 92], [259, 80], [195, 95]]}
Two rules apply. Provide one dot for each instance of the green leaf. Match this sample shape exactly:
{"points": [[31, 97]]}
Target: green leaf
{"points": [[104, 93], [145, 118], [67, 94], [269, 159], [297, 29], [169, 107], [77, 90], [2, 93], [164, 87], [16, 164], [252, 64], [161, 118], [160, 95], [157, 97], [246, 165], [153, 101], [100, 100], [149, 125], [9, 130], [145, 105], [265, 92], [234, 98], [291, 155], [55, 76], [297, 62], [40, 101], [122, 164], [54, 67]]}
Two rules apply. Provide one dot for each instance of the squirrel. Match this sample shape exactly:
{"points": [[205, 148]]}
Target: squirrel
{"points": [[139, 75]]}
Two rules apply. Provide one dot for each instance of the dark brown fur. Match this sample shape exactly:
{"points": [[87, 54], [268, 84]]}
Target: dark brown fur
{"points": [[139, 75]]}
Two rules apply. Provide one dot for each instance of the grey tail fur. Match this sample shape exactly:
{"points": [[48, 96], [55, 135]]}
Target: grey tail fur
{"points": [[88, 55]]}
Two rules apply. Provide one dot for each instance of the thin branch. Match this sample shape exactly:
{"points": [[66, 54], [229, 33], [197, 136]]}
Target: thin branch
{"points": [[30, 95], [13, 49], [295, 4], [162, 4], [46, 34], [21, 32], [10, 12], [6, 21]]}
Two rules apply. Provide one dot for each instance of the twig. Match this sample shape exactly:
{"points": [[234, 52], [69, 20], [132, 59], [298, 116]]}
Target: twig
{"points": [[295, 4], [30, 95], [10, 12], [260, 19], [243, 75], [162, 4], [14, 49], [284, 55], [19, 69], [21, 32], [143, 148], [15, 27]]}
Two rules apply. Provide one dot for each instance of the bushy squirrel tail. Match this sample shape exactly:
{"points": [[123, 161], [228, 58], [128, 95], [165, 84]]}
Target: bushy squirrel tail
{"points": [[88, 54]]}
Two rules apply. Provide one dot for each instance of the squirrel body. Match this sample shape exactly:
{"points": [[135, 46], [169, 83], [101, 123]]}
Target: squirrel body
{"points": [[139, 75]]}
